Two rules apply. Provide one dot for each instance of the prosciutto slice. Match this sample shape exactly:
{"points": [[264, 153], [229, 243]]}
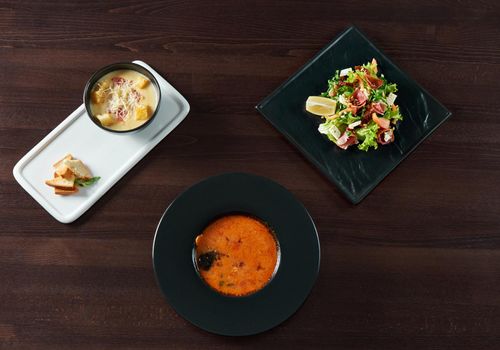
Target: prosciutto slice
{"points": [[382, 122], [361, 68], [385, 136], [346, 83], [359, 98], [374, 82], [374, 107], [378, 107], [346, 140]]}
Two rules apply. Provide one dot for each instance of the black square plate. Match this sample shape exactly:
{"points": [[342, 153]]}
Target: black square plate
{"points": [[355, 172]]}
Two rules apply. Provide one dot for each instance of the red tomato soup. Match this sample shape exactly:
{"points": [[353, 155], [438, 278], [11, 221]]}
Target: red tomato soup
{"points": [[236, 255]]}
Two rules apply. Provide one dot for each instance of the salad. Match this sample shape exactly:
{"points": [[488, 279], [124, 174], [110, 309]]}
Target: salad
{"points": [[358, 108]]}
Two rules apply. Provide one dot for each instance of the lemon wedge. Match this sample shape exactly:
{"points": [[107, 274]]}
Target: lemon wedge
{"points": [[320, 105]]}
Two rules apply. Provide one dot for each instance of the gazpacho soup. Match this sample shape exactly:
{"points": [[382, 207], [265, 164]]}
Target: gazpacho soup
{"points": [[237, 255], [123, 100]]}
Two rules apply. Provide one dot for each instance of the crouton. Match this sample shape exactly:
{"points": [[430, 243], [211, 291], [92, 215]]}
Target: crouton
{"points": [[142, 112], [142, 83], [78, 168], [106, 119], [61, 182], [65, 192]]}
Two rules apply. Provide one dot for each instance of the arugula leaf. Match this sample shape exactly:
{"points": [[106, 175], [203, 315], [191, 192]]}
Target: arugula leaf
{"points": [[334, 80], [378, 95], [87, 182], [331, 84], [345, 89], [368, 135]]}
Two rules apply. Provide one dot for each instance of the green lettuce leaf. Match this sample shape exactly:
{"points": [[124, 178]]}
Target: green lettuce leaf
{"points": [[345, 120], [352, 76], [368, 136], [393, 116], [378, 95], [345, 89], [331, 130], [388, 88], [87, 182]]}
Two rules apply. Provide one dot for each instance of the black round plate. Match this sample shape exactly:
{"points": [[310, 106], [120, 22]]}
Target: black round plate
{"points": [[192, 211]]}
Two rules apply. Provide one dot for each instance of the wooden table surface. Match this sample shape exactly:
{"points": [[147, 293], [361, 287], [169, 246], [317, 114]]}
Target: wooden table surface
{"points": [[416, 265]]}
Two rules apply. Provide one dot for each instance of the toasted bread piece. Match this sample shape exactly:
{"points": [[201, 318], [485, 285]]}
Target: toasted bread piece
{"points": [[106, 119], [61, 169], [142, 112], [68, 175], [64, 191], [61, 182], [78, 168], [142, 83], [60, 161], [64, 171]]}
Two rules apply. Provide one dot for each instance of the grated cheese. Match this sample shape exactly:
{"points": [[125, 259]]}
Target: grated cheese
{"points": [[123, 98]]}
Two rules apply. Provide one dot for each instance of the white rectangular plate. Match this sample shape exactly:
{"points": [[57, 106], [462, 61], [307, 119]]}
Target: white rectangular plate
{"points": [[108, 155]]}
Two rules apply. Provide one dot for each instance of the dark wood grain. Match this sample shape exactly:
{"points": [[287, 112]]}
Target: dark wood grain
{"points": [[416, 265]]}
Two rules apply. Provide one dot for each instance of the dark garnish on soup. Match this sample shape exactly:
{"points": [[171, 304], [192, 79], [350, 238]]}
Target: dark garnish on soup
{"points": [[206, 260]]}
